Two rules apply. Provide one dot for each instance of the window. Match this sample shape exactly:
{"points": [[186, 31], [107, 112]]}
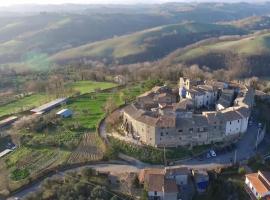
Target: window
{"points": [[180, 130], [191, 129], [230, 122], [238, 120], [180, 138], [155, 193], [200, 136], [161, 134], [167, 133]]}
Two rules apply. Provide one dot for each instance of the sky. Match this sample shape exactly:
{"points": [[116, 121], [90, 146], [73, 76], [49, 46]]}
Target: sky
{"points": [[15, 2]]}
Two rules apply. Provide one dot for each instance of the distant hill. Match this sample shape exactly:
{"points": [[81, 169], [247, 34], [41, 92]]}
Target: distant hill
{"points": [[253, 23], [146, 45], [253, 49], [50, 33], [29, 35]]}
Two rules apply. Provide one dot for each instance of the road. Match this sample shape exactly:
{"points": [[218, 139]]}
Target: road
{"points": [[245, 148]]}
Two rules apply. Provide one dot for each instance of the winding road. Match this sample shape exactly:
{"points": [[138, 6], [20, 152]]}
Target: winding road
{"points": [[245, 148]]}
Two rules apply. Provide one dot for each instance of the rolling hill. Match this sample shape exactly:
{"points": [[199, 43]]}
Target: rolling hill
{"points": [[30, 35], [49, 33], [146, 45], [253, 49], [253, 23]]}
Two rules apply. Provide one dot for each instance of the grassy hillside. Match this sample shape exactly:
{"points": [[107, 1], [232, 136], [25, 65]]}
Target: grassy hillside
{"points": [[146, 45], [25, 38], [255, 50], [253, 23]]}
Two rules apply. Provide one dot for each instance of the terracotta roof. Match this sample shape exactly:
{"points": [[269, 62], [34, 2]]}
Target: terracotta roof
{"points": [[170, 186], [144, 173], [155, 182], [259, 186]]}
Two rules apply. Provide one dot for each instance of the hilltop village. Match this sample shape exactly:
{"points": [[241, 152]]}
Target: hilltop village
{"points": [[197, 113]]}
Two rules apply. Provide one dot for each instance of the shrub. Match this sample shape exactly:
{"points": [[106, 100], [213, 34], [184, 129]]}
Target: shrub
{"points": [[19, 174], [241, 170]]}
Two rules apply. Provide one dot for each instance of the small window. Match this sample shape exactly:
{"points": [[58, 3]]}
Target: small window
{"points": [[180, 138], [161, 134], [230, 122], [238, 120], [180, 130], [167, 133]]}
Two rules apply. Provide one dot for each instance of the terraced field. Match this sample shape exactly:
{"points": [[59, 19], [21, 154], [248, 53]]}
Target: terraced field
{"points": [[91, 148]]}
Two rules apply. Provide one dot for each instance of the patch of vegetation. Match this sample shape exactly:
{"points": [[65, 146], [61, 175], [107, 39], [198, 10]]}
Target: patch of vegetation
{"points": [[263, 108], [146, 154], [24, 103], [19, 174], [77, 185], [90, 86], [257, 163]]}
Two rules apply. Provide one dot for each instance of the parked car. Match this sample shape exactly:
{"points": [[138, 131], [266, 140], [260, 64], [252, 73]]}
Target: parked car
{"points": [[212, 153]]}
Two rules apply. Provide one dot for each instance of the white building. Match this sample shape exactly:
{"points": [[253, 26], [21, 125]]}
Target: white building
{"points": [[236, 120], [64, 113]]}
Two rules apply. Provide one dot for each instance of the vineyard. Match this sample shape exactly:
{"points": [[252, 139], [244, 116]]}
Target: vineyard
{"points": [[91, 148]]}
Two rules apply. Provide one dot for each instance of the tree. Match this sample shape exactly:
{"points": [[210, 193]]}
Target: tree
{"points": [[99, 193], [114, 198]]}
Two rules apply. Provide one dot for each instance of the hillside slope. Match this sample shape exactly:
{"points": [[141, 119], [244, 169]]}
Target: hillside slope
{"points": [[50, 33], [146, 45], [253, 23], [253, 51]]}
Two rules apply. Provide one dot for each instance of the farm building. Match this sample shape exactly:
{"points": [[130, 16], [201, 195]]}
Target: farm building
{"points": [[64, 113], [49, 106], [7, 121]]}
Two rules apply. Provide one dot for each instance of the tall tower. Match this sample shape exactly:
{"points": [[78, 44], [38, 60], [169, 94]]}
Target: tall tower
{"points": [[184, 85]]}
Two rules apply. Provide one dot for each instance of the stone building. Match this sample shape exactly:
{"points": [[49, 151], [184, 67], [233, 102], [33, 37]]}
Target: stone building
{"points": [[156, 118]]}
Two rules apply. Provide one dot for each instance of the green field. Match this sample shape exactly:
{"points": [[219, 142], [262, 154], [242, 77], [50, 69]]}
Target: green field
{"points": [[90, 86], [23, 104], [35, 100]]}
